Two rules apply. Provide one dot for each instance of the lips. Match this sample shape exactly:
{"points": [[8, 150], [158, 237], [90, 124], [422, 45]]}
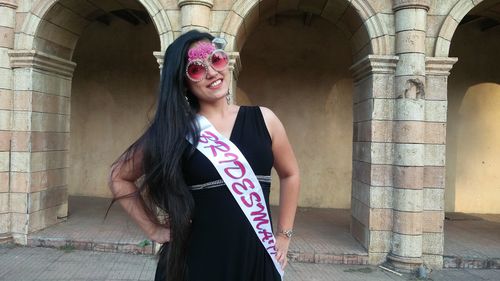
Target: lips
{"points": [[215, 84]]}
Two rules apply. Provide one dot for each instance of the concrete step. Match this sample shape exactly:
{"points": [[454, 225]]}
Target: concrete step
{"points": [[148, 248], [471, 262]]}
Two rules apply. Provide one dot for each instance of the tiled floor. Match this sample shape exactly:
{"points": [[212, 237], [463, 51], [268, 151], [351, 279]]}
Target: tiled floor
{"points": [[319, 232], [472, 237]]}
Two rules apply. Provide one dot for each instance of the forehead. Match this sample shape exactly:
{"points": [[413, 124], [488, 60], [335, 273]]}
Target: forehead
{"points": [[200, 50]]}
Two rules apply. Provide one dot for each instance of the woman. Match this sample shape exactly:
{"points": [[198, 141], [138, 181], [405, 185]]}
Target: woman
{"points": [[207, 235]]}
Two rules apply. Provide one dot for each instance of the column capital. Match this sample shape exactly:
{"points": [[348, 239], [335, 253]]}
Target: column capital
{"points": [[40, 60], [235, 64], [410, 4], [439, 66], [160, 55], [208, 3], [374, 64], [8, 3]]}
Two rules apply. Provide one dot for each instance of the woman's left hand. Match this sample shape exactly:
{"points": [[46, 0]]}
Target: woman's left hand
{"points": [[282, 244]]}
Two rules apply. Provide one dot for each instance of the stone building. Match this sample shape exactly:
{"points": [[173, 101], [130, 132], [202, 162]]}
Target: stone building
{"points": [[363, 87]]}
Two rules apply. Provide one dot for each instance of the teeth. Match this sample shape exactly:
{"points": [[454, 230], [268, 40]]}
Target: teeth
{"points": [[215, 83]]}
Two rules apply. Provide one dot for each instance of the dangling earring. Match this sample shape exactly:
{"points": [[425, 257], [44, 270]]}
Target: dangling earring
{"points": [[228, 98]]}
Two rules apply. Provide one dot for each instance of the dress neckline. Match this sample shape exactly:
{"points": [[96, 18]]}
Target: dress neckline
{"points": [[231, 135]]}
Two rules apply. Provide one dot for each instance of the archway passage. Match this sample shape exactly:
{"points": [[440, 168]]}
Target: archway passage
{"points": [[296, 63], [111, 93], [472, 193]]}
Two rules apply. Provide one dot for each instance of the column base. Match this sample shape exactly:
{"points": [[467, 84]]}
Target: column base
{"points": [[403, 264]]}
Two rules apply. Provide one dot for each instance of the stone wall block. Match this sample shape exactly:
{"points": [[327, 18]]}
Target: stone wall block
{"points": [[411, 64], [360, 212], [360, 232], [5, 138], [381, 175], [435, 133], [361, 192], [4, 202], [382, 153], [380, 219], [435, 111], [437, 88], [19, 202], [411, 177], [5, 119], [380, 241], [435, 155], [409, 132], [432, 243], [19, 223], [20, 181], [49, 160], [363, 111], [5, 78], [20, 161], [409, 154], [434, 199], [232, 24], [43, 141], [6, 99], [45, 179], [381, 131], [21, 141], [4, 181], [4, 161], [4, 58], [6, 37], [50, 122], [407, 245], [409, 200], [5, 223], [408, 109], [410, 41], [433, 261], [434, 177], [23, 100], [433, 221], [381, 197], [408, 222], [383, 109], [410, 19]]}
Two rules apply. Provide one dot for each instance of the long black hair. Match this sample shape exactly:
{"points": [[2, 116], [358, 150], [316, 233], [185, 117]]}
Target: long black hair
{"points": [[162, 145]]}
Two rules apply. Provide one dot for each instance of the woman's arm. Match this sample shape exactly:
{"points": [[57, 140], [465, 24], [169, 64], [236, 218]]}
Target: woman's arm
{"points": [[288, 171], [122, 184]]}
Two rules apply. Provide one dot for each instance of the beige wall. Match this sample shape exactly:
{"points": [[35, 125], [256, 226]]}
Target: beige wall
{"points": [[114, 88], [473, 134], [301, 73]]}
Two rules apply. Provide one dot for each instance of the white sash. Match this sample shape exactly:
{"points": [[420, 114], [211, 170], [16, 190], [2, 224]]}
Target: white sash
{"points": [[241, 182]]}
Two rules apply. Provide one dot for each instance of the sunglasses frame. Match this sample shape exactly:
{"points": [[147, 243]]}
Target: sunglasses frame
{"points": [[204, 64]]}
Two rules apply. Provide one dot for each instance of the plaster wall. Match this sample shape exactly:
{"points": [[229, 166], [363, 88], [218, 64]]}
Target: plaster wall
{"points": [[114, 89], [301, 73], [473, 133]]}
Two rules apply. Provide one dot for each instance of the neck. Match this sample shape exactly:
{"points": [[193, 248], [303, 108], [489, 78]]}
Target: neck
{"points": [[216, 109]]}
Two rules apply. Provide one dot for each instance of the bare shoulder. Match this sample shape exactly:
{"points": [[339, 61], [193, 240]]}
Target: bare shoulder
{"points": [[268, 114], [272, 122]]}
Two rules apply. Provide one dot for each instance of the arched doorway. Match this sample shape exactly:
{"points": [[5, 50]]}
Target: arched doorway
{"points": [[472, 195], [296, 60], [91, 87]]}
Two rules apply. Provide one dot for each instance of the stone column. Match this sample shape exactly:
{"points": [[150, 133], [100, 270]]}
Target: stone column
{"points": [[234, 68], [195, 14], [7, 25], [371, 203], [437, 71], [408, 134], [40, 137]]}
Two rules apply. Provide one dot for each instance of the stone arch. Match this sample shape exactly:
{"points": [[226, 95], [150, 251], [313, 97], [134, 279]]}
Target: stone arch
{"points": [[33, 22], [371, 36], [450, 24]]}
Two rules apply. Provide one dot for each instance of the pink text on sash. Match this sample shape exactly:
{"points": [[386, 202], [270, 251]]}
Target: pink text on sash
{"points": [[242, 186]]}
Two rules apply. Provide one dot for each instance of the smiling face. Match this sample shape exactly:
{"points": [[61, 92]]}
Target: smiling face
{"points": [[207, 77]]}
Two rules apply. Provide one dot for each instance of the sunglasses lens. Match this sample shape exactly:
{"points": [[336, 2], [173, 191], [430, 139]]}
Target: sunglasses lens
{"points": [[219, 60], [196, 71]]}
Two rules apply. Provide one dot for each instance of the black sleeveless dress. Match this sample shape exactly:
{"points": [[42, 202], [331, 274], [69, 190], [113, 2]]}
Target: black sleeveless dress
{"points": [[223, 244]]}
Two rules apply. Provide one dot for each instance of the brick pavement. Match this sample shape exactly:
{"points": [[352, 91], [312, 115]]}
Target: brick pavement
{"points": [[43, 264]]}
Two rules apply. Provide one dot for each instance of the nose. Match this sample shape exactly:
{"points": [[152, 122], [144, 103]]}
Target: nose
{"points": [[211, 72]]}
